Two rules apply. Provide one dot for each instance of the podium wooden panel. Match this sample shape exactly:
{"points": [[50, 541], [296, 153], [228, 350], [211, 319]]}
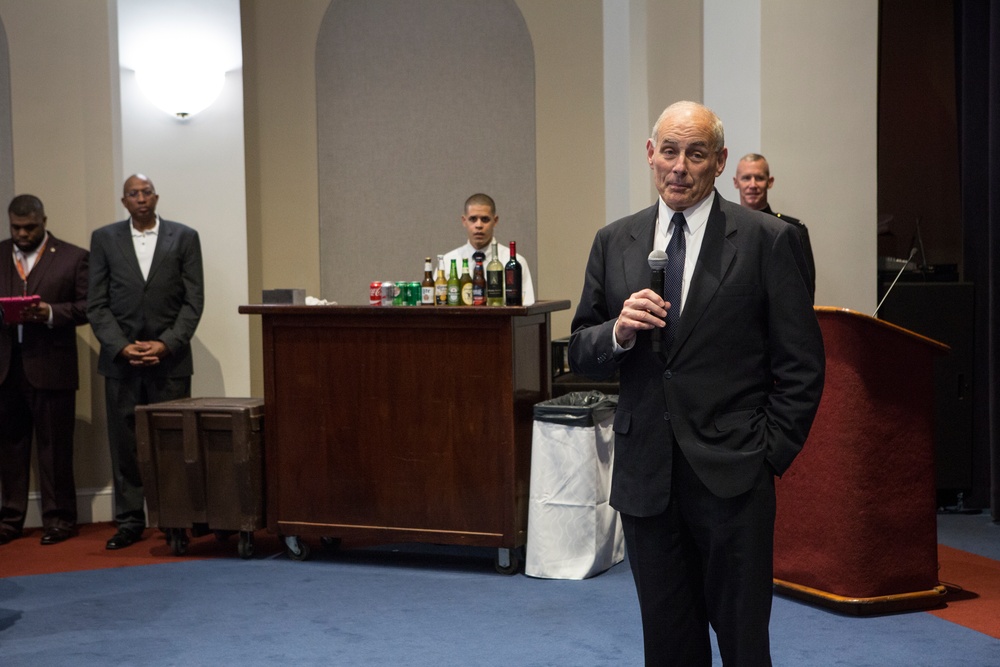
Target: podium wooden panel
{"points": [[856, 525], [402, 424]]}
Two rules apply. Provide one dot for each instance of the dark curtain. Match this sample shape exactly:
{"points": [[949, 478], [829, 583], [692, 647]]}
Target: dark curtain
{"points": [[978, 81]]}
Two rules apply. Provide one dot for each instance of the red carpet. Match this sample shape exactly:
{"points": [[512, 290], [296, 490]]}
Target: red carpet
{"points": [[973, 590], [26, 556]]}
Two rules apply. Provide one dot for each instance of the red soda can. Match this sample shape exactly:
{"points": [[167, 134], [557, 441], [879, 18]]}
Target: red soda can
{"points": [[375, 293]]}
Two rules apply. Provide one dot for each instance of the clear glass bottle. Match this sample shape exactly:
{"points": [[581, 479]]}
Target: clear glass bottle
{"points": [[427, 285], [494, 277], [441, 285]]}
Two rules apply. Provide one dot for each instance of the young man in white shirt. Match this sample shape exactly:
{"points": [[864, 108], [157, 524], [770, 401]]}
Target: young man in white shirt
{"points": [[479, 220]]}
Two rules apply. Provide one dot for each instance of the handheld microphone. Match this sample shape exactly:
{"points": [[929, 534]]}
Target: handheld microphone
{"points": [[657, 265], [913, 251]]}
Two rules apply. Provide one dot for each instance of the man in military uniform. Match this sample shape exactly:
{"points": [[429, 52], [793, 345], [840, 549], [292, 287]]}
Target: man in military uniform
{"points": [[753, 179]]}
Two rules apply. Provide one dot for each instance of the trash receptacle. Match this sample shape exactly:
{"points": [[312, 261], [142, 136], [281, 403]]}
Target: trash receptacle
{"points": [[573, 532], [202, 467]]}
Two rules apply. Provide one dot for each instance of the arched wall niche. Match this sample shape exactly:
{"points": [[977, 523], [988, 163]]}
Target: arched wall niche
{"points": [[6, 142], [420, 103]]}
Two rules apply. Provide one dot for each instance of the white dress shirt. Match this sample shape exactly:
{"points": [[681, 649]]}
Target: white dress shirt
{"points": [[145, 244], [696, 219]]}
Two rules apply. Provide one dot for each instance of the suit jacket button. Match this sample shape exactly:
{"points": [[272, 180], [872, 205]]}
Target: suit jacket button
{"points": [[666, 416], [667, 375]]}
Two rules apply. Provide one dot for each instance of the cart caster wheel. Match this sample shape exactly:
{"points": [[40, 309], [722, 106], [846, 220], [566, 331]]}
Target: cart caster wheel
{"points": [[331, 543], [508, 561], [245, 547], [178, 540], [297, 549]]}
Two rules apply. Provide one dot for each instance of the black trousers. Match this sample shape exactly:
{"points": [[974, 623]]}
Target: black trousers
{"points": [[50, 416], [122, 396], [706, 561]]}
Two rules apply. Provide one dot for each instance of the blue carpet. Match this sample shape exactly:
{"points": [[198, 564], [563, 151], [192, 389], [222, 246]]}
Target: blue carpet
{"points": [[412, 606]]}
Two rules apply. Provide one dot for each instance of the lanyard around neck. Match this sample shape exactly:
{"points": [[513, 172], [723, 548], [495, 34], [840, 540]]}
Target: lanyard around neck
{"points": [[20, 267]]}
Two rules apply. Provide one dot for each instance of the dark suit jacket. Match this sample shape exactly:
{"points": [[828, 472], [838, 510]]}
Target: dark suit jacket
{"points": [[59, 277], [807, 250], [744, 376], [124, 308]]}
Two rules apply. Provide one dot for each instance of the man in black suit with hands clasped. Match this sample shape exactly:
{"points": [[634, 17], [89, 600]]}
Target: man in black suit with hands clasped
{"points": [[144, 302], [702, 426]]}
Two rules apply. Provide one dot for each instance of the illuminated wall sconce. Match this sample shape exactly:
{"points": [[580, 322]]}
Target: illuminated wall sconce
{"points": [[181, 89]]}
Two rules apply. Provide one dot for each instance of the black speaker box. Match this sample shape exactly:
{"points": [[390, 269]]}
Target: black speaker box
{"points": [[943, 312]]}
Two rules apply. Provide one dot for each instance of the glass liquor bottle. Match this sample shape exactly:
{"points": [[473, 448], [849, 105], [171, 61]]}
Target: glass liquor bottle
{"points": [[512, 278], [494, 278]]}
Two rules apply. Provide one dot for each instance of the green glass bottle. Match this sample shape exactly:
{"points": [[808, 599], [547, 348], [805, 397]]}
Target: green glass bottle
{"points": [[454, 286]]}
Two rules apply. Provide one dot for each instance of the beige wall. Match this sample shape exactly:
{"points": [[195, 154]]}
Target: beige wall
{"points": [[569, 85], [819, 99], [279, 65]]}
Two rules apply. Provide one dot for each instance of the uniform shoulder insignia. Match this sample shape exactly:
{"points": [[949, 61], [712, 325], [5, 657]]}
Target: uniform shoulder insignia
{"points": [[789, 219]]}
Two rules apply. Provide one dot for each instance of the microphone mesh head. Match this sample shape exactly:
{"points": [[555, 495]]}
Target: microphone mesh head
{"points": [[657, 260]]}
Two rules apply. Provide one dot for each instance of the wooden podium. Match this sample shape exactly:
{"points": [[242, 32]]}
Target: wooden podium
{"points": [[856, 525], [402, 424]]}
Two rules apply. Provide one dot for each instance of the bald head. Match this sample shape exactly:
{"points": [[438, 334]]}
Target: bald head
{"points": [[687, 152], [139, 198]]}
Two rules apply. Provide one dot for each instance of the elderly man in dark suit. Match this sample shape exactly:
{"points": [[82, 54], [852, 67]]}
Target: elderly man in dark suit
{"points": [[38, 371], [720, 380], [145, 300]]}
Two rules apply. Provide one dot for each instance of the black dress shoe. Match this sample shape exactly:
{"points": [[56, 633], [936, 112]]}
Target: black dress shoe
{"points": [[7, 534], [123, 538], [56, 535]]}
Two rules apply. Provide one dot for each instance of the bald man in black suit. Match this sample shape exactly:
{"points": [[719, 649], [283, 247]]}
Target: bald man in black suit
{"points": [[145, 300], [702, 426]]}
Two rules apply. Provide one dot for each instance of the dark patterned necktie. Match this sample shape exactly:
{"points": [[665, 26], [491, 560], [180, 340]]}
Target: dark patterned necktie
{"points": [[673, 278]]}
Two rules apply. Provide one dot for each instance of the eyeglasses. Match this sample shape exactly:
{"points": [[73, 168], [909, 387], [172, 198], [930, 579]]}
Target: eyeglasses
{"points": [[147, 193]]}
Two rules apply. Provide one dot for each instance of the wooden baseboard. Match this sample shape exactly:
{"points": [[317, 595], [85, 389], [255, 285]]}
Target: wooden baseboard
{"points": [[882, 604]]}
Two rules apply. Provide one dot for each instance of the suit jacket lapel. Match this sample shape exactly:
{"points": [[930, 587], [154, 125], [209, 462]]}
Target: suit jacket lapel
{"points": [[164, 242], [637, 253], [123, 238], [717, 253], [41, 265]]}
